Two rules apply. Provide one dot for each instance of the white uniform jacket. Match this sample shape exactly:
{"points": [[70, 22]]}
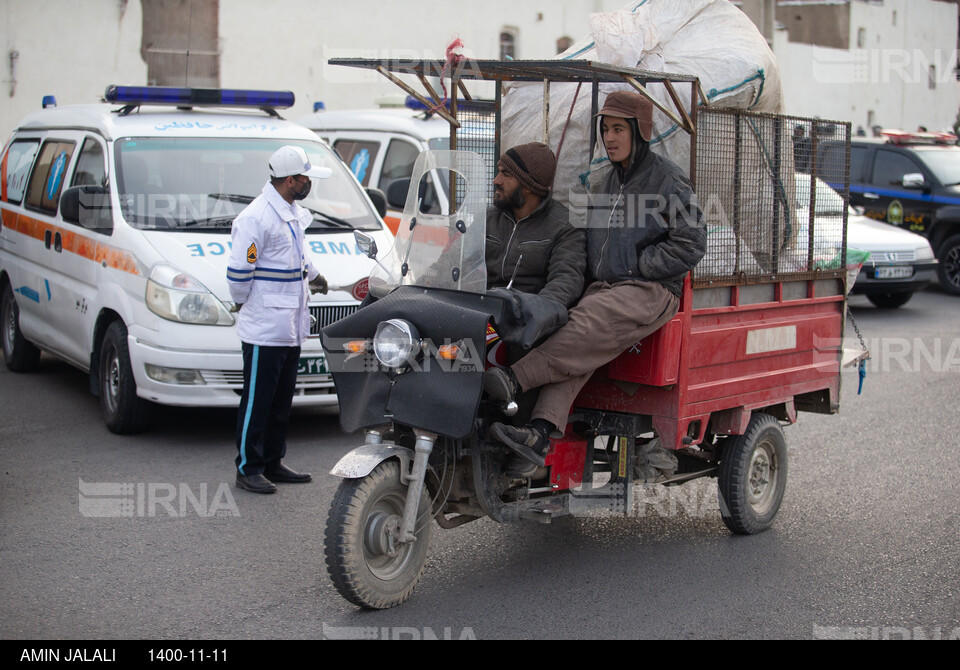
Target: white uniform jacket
{"points": [[268, 271]]}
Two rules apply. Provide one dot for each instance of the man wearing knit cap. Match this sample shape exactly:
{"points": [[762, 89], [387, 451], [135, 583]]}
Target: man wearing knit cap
{"points": [[530, 239], [644, 234]]}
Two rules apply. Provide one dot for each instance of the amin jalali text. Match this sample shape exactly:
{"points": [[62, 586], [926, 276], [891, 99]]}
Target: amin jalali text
{"points": [[69, 654]]}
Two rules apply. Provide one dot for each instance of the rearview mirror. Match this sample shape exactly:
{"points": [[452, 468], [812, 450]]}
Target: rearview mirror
{"points": [[366, 244], [397, 193], [379, 201], [914, 180], [87, 206]]}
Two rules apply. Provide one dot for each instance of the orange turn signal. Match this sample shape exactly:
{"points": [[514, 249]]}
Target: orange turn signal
{"points": [[357, 346], [449, 352]]}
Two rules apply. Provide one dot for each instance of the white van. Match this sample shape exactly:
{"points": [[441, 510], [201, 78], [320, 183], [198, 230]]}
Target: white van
{"points": [[381, 145], [115, 238]]}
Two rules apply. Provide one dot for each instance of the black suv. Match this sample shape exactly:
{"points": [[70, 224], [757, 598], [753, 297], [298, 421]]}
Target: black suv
{"points": [[912, 181]]}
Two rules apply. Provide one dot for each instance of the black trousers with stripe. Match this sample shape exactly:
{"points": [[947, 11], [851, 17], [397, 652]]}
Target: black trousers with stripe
{"points": [[269, 381]]}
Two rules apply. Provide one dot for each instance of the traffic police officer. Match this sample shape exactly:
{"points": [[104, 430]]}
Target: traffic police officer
{"points": [[268, 275]]}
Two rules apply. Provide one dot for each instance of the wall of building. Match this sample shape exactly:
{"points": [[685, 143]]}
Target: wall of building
{"points": [[298, 37], [72, 50], [75, 49], [884, 78]]}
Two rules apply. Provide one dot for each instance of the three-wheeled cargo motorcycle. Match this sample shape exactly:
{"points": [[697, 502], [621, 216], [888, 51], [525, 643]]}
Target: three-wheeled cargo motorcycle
{"points": [[756, 340]]}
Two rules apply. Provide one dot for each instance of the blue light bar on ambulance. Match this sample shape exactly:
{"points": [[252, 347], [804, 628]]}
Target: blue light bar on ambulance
{"points": [[200, 97]]}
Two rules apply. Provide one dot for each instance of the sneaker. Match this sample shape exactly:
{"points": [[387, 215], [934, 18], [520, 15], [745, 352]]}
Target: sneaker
{"points": [[500, 384], [527, 442]]}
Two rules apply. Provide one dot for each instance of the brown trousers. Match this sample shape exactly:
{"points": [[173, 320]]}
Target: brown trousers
{"points": [[609, 319]]}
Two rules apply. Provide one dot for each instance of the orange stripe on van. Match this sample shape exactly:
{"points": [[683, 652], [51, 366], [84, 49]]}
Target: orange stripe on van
{"points": [[72, 242], [393, 223]]}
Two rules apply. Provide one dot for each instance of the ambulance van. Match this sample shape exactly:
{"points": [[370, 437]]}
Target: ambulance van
{"points": [[381, 145], [115, 237]]}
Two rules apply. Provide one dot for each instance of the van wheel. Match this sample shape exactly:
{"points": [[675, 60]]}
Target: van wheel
{"points": [[18, 354], [123, 411], [891, 300], [948, 270], [753, 476]]}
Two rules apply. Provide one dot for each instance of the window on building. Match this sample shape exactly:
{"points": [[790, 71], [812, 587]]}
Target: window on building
{"points": [[861, 38], [564, 43], [932, 77], [180, 42], [508, 44]]}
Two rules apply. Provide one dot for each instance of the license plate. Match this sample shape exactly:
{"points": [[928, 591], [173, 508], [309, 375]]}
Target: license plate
{"points": [[901, 272], [312, 365]]}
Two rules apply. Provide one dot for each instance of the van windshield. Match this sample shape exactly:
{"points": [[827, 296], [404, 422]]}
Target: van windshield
{"points": [[201, 184]]}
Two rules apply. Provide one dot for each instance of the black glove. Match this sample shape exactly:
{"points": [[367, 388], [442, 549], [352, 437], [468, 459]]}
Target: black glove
{"points": [[319, 284]]}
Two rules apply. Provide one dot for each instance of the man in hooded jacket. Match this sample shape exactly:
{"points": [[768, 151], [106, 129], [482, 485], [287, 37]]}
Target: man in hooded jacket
{"points": [[644, 234]]}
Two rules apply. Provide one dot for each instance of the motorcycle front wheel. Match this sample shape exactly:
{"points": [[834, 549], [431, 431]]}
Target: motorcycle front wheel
{"points": [[367, 563]]}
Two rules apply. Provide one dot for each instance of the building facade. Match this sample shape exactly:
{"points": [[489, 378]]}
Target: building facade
{"points": [[888, 63]]}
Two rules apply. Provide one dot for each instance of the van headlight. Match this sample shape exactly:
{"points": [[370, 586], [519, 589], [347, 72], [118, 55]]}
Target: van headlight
{"points": [[177, 296], [396, 343]]}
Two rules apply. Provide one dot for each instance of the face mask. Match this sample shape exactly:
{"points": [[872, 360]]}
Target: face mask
{"points": [[304, 191]]}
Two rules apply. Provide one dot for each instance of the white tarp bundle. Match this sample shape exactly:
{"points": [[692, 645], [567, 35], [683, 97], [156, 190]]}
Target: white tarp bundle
{"points": [[710, 39]]}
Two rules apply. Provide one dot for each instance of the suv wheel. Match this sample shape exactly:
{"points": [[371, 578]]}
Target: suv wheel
{"points": [[948, 270]]}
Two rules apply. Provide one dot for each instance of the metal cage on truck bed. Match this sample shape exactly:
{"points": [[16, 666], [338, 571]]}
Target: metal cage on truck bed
{"points": [[762, 317]]}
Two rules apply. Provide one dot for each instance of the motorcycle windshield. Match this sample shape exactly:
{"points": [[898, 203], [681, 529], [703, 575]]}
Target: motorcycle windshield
{"points": [[440, 250]]}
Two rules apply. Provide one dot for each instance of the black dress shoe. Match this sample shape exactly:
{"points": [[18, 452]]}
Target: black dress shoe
{"points": [[281, 474], [256, 483]]}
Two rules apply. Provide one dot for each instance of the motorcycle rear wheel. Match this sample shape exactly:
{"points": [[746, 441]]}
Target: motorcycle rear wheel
{"points": [[367, 565], [753, 476]]}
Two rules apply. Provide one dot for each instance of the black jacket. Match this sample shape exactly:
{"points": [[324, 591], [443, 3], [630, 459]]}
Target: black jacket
{"points": [[553, 250], [644, 224]]}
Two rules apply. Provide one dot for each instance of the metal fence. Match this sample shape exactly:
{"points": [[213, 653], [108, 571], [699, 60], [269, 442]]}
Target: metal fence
{"points": [[477, 133], [764, 221]]}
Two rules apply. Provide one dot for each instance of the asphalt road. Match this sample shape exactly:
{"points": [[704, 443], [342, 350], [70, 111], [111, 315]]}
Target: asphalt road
{"points": [[865, 545]]}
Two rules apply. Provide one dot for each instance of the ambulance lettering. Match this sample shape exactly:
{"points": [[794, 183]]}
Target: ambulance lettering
{"points": [[210, 249], [333, 248]]}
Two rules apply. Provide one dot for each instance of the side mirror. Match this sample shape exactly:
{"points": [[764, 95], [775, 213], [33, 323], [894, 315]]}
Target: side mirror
{"points": [[379, 201], [87, 206], [397, 193], [914, 180], [365, 243]]}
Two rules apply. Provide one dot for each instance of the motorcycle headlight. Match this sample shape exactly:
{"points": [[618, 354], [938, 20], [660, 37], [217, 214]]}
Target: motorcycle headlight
{"points": [[397, 342], [177, 296]]}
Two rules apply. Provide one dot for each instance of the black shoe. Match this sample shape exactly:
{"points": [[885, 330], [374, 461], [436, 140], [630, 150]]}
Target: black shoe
{"points": [[256, 483], [500, 384], [519, 467], [281, 474], [527, 442]]}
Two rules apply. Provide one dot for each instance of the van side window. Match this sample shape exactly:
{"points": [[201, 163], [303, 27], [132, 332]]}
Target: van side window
{"points": [[397, 163], [49, 174], [359, 156], [91, 170], [16, 168]]}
